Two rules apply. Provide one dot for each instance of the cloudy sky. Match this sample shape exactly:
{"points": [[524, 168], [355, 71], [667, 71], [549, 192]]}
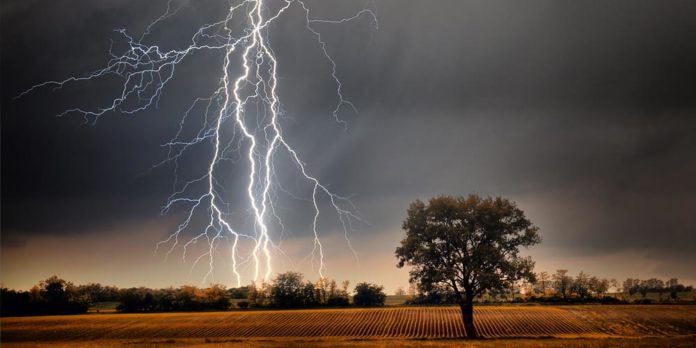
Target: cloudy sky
{"points": [[584, 113]]}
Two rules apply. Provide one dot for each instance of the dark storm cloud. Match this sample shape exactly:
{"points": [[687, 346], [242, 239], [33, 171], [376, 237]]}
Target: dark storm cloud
{"points": [[586, 109], [581, 111]]}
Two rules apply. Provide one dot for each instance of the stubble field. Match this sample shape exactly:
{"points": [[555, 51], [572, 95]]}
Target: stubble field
{"points": [[377, 326]]}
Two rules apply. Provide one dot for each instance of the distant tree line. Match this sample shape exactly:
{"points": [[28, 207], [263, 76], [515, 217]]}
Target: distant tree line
{"points": [[50, 296], [672, 287], [559, 287], [185, 298], [287, 290]]}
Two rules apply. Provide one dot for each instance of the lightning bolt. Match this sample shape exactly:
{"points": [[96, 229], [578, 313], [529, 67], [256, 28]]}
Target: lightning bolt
{"points": [[246, 101]]}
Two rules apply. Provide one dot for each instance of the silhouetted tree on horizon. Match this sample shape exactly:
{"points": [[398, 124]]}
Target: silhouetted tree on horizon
{"points": [[470, 244], [562, 283]]}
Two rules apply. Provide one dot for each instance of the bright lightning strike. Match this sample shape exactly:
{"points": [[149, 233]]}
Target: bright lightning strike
{"points": [[245, 101]]}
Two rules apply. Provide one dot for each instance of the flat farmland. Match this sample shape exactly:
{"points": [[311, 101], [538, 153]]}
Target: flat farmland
{"points": [[357, 325]]}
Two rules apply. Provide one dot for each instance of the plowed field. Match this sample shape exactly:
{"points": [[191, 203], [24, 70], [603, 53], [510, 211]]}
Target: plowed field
{"points": [[377, 324]]}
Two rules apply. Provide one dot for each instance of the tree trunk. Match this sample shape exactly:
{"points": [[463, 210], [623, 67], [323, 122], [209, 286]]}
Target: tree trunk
{"points": [[467, 308]]}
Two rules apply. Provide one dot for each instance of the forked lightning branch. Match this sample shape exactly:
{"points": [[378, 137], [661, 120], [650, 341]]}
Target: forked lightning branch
{"points": [[246, 102]]}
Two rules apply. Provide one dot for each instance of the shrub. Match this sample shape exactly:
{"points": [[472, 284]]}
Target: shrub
{"points": [[243, 304], [338, 301], [611, 300], [369, 295]]}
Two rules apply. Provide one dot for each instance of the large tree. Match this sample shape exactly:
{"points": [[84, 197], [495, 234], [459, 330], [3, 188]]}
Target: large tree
{"points": [[470, 244]]}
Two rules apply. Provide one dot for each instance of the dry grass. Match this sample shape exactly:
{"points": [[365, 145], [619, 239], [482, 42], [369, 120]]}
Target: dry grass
{"points": [[410, 326]]}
